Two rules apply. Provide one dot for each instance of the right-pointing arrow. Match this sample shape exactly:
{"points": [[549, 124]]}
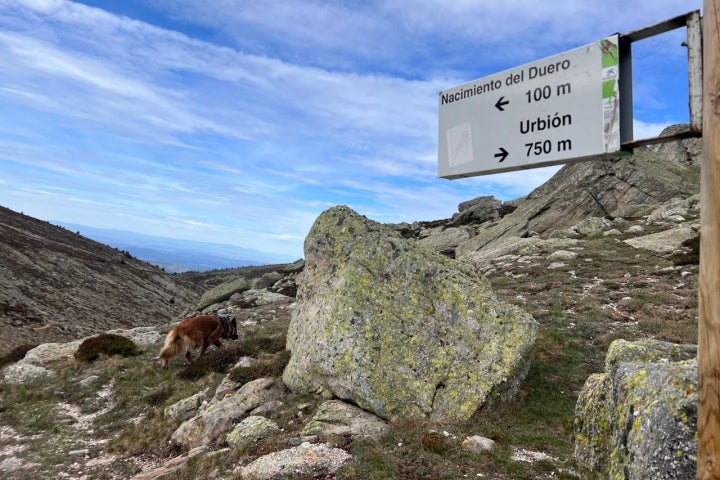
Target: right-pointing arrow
{"points": [[502, 154]]}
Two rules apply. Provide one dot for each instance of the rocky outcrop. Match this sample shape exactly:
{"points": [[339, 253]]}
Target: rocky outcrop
{"points": [[446, 240], [638, 419], [398, 330], [477, 210], [58, 286], [223, 292], [219, 416], [606, 188]]}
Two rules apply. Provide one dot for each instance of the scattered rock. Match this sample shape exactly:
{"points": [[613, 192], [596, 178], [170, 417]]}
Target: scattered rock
{"points": [[478, 444], [10, 464], [251, 430], [593, 226], [511, 245], [562, 255], [186, 408], [676, 207], [257, 298], [666, 241], [170, 467], [635, 229], [220, 415], [305, 459]]}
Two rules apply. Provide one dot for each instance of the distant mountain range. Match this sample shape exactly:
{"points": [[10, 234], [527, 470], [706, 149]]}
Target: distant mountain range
{"points": [[176, 256]]}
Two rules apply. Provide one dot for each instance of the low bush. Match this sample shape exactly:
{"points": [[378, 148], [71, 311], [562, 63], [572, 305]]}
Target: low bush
{"points": [[16, 354], [105, 344], [253, 344]]}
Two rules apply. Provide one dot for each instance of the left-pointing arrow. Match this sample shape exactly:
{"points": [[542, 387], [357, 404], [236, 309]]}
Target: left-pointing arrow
{"points": [[502, 154], [501, 103]]}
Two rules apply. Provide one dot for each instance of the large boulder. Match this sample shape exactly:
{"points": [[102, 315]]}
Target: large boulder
{"points": [[398, 330], [638, 419]]}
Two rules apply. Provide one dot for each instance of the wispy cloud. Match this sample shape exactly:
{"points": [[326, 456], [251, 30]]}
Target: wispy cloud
{"points": [[247, 119]]}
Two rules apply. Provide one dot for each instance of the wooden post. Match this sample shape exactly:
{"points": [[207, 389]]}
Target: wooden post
{"points": [[709, 280]]}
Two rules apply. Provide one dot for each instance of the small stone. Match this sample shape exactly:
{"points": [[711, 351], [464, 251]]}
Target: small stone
{"points": [[477, 444]]}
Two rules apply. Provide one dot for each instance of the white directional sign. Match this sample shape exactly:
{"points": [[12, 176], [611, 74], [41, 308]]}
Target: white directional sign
{"points": [[551, 111]]}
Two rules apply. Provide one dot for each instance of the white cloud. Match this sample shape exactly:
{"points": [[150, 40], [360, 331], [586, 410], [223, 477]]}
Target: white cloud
{"points": [[285, 109], [643, 130]]}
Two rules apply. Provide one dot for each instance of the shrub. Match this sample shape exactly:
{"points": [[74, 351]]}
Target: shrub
{"points": [[691, 253], [435, 442], [16, 354], [220, 360], [105, 344]]}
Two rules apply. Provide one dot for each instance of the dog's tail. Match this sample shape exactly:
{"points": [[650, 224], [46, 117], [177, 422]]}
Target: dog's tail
{"points": [[173, 347]]}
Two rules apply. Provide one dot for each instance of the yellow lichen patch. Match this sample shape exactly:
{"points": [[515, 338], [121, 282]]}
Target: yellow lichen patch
{"points": [[404, 331]]}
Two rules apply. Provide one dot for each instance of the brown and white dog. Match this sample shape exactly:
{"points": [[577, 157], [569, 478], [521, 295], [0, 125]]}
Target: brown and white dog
{"points": [[194, 332]]}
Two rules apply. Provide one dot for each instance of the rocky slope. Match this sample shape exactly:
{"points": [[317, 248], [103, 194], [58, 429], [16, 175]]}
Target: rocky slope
{"points": [[56, 285]]}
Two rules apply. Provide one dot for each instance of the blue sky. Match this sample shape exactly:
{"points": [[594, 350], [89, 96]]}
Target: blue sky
{"points": [[239, 122]]}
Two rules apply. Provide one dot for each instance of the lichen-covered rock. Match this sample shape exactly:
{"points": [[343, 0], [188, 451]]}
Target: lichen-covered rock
{"points": [[47, 353], [339, 418], [220, 416], [251, 430], [398, 330], [638, 419], [267, 280], [477, 210], [23, 373], [446, 240], [593, 226], [223, 291], [187, 407], [142, 336], [664, 242], [481, 259]]}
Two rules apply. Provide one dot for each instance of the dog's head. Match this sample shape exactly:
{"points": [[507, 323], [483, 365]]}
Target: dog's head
{"points": [[232, 329]]}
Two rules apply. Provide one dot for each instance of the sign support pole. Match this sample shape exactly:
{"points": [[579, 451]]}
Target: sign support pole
{"points": [[709, 280]]}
